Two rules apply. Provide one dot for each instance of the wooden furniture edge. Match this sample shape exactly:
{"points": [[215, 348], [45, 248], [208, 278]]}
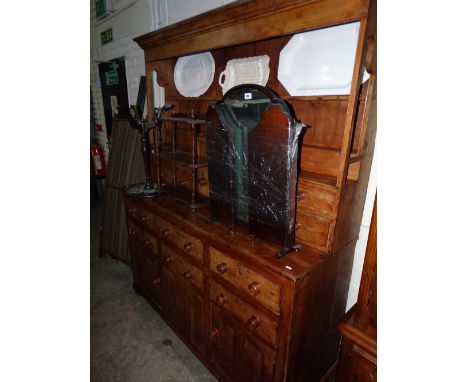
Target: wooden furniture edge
{"points": [[365, 340], [244, 21]]}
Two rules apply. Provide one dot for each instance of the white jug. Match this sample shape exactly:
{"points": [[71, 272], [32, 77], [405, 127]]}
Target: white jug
{"points": [[249, 70]]}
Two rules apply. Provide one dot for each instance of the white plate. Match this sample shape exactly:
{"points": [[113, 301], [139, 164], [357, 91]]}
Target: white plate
{"points": [[320, 62], [194, 74]]}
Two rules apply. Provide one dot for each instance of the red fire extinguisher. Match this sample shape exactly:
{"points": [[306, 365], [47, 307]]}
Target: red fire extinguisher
{"points": [[98, 160]]}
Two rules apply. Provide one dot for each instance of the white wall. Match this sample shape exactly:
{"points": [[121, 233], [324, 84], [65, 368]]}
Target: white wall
{"points": [[129, 19], [172, 11], [360, 252]]}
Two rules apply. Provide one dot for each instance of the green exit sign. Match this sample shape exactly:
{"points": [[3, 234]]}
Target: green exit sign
{"points": [[112, 78], [103, 8], [106, 36]]}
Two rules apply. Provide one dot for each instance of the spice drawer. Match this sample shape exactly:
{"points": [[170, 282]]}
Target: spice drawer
{"points": [[312, 231], [181, 267], [185, 242], [190, 245], [252, 319], [315, 199], [143, 237], [258, 286], [141, 214]]}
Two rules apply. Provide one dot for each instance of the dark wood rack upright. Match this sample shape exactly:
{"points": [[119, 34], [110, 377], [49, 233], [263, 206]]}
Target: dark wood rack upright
{"points": [[191, 159]]}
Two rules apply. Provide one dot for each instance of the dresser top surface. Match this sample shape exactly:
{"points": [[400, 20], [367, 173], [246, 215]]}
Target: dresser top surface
{"points": [[293, 266]]}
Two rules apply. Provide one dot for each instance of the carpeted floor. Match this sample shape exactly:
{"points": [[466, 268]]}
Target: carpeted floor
{"points": [[129, 341]]}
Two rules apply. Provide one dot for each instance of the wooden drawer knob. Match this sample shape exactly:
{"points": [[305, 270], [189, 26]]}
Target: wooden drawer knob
{"points": [[254, 288], [221, 268], [157, 282], [166, 232], [188, 275], [168, 259], [221, 299], [253, 323], [187, 247], [214, 333], [300, 195]]}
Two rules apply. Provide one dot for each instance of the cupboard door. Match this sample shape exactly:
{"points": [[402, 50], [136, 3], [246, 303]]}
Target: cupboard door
{"points": [[189, 314], [236, 353], [223, 333], [168, 292], [255, 361], [146, 271], [196, 306], [184, 307]]}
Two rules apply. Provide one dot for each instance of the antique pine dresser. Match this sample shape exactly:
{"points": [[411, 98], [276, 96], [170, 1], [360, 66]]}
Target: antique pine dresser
{"points": [[247, 315]]}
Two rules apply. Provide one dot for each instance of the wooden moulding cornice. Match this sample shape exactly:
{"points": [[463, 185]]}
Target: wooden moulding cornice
{"points": [[246, 21]]}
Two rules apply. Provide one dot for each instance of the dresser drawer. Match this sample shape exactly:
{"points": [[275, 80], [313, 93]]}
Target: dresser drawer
{"points": [[312, 231], [165, 229], [315, 199], [186, 243], [246, 279], [180, 266], [140, 214], [190, 245], [252, 319], [143, 237]]}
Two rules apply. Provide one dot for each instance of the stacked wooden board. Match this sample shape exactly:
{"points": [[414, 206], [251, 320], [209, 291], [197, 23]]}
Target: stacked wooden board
{"points": [[125, 167]]}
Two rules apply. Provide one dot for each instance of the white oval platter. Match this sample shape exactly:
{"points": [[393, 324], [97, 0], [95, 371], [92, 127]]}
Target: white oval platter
{"points": [[320, 62], [194, 74]]}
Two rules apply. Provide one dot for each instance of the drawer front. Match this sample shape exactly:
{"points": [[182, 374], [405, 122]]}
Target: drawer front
{"points": [[253, 321], [312, 231], [144, 216], [143, 237], [315, 199], [181, 267], [245, 279], [165, 229], [186, 243], [190, 245]]}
